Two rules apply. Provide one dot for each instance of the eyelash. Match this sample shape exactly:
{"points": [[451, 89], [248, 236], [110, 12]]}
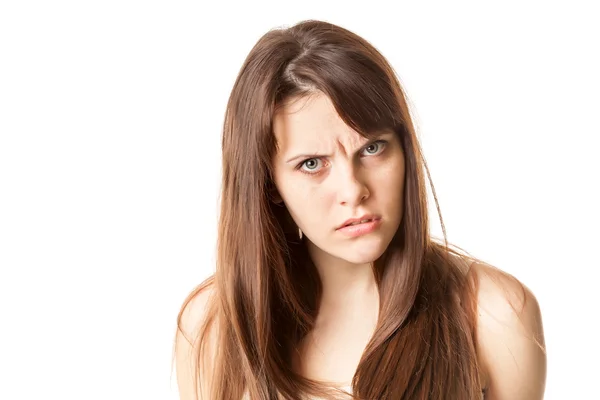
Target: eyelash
{"points": [[382, 143]]}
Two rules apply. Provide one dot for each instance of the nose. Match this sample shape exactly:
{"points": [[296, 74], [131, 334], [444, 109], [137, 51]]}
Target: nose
{"points": [[352, 189]]}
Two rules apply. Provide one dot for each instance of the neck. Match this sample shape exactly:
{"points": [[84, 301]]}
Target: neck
{"points": [[346, 286]]}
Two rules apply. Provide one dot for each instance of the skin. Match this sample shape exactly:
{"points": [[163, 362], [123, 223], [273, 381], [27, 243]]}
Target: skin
{"points": [[353, 177], [341, 176], [344, 176], [356, 177]]}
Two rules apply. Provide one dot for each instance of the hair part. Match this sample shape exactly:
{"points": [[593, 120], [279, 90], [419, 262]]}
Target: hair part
{"points": [[266, 288]]}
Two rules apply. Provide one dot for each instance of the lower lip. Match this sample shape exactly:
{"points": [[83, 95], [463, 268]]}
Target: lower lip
{"points": [[360, 229]]}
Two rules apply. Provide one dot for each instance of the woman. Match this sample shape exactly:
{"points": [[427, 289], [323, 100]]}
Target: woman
{"points": [[327, 282]]}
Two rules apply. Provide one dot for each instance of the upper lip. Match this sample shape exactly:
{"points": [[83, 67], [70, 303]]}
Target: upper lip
{"points": [[362, 218]]}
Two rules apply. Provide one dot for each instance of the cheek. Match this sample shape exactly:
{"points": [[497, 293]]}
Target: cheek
{"points": [[390, 184], [391, 177], [294, 194], [306, 202]]}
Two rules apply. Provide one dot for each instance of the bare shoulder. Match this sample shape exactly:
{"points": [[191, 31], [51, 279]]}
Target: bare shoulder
{"points": [[191, 355], [510, 336], [194, 309]]}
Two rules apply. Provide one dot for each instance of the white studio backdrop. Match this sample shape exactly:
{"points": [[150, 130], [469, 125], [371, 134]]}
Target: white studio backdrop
{"points": [[110, 122]]}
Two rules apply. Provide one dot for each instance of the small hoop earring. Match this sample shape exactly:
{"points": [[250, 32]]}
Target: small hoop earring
{"points": [[300, 233]]}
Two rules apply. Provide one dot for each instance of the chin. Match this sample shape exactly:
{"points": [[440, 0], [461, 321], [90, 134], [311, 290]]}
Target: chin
{"points": [[362, 253], [359, 260], [362, 250]]}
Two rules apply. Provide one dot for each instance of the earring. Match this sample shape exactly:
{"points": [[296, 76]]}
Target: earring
{"points": [[300, 233]]}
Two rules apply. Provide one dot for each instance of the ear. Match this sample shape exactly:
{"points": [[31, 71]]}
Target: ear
{"points": [[273, 193], [277, 198]]}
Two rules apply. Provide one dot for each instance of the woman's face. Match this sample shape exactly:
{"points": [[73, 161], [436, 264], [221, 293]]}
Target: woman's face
{"points": [[326, 173]]}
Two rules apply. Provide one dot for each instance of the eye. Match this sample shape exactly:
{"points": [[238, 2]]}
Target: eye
{"points": [[310, 166], [375, 147]]}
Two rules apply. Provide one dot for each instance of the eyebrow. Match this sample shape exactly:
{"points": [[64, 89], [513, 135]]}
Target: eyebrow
{"points": [[316, 155]]}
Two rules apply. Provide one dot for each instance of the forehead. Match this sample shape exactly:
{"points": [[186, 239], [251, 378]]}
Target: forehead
{"points": [[311, 123]]}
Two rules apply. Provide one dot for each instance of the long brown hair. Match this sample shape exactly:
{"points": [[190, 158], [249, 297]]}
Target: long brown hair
{"points": [[267, 290]]}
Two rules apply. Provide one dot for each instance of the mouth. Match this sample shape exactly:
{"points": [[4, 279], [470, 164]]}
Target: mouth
{"points": [[360, 227], [361, 220]]}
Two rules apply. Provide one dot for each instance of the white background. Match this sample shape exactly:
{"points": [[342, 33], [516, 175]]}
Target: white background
{"points": [[110, 118]]}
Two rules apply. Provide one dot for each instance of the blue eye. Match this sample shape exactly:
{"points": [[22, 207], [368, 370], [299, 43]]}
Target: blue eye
{"points": [[310, 162], [311, 166], [380, 144]]}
